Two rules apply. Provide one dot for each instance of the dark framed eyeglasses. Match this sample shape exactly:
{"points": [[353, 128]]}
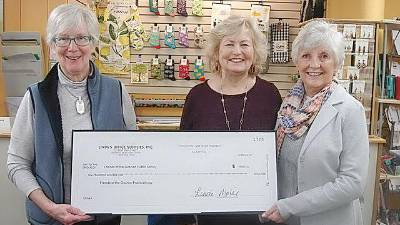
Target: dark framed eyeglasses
{"points": [[66, 41]]}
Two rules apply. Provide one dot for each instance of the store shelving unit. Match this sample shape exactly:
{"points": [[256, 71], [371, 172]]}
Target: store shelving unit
{"points": [[388, 55]]}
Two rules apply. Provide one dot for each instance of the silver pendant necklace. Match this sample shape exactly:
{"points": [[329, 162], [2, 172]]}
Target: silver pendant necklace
{"points": [[227, 122], [79, 103]]}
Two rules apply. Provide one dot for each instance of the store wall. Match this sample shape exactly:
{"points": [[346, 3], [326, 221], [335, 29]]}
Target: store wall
{"points": [[363, 9], [356, 9], [392, 9]]}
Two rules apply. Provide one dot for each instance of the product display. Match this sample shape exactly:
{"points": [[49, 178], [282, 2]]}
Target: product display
{"points": [[139, 73], [169, 69], [280, 42], [153, 4], [184, 69], [197, 7], [155, 69], [181, 7], [183, 36], [198, 72], [219, 12], [311, 9], [261, 14], [169, 38], [199, 40], [169, 7], [155, 37]]}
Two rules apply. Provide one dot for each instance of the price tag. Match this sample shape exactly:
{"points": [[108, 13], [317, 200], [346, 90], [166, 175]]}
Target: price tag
{"points": [[367, 31], [183, 61], [349, 30], [199, 62], [169, 62], [170, 29], [155, 61], [139, 59], [183, 29], [155, 29]]}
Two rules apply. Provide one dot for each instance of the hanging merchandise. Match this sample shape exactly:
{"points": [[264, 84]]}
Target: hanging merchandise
{"points": [[155, 69], [169, 69], [280, 42], [261, 14], [139, 73], [311, 9], [169, 38], [184, 69], [153, 4], [169, 7], [198, 72], [113, 51], [197, 8], [183, 36], [155, 37], [181, 7], [199, 40], [219, 12], [392, 114], [137, 35]]}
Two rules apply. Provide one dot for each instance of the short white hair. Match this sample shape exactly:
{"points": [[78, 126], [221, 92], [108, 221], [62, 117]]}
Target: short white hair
{"points": [[318, 33], [70, 16]]}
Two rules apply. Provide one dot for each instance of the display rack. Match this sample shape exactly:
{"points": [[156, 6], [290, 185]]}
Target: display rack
{"points": [[174, 91], [388, 55]]}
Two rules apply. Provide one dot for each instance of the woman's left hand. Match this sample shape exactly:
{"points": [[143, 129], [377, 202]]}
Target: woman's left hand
{"points": [[273, 215]]}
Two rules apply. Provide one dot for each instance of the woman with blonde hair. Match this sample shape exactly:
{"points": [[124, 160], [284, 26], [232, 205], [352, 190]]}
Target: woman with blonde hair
{"points": [[234, 98]]}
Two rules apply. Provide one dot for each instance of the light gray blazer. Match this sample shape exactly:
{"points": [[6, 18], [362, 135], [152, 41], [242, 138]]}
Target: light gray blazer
{"points": [[332, 165]]}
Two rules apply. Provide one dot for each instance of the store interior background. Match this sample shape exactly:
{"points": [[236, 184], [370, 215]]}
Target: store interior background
{"points": [[31, 15]]}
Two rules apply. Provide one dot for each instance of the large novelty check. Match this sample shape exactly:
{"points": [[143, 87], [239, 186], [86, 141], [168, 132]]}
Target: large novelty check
{"points": [[129, 172]]}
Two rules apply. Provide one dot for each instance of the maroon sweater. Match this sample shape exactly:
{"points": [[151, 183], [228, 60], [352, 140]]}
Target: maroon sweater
{"points": [[203, 111], [203, 108]]}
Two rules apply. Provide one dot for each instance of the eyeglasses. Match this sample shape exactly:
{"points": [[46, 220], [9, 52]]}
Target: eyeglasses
{"points": [[66, 41]]}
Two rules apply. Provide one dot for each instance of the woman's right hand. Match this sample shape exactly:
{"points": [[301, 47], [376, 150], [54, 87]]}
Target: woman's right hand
{"points": [[67, 214]]}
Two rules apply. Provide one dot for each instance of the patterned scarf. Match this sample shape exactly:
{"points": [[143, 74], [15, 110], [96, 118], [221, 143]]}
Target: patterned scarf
{"points": [[294, 118]]}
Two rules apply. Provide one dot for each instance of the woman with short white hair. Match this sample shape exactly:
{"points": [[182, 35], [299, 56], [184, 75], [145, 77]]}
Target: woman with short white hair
{"points": [[73, 96], [322, 138]]}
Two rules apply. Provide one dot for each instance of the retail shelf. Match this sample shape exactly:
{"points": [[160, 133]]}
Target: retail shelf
{"points": [[389, 177], [388, 101]]}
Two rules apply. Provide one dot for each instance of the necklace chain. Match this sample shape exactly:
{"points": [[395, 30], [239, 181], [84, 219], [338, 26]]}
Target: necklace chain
{"points": [[79, 103], [227, 122], [69, 91]]}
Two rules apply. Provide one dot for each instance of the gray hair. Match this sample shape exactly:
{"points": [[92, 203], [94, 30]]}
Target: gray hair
{"points": [[233, 25], [69, 16], [318, 33]]}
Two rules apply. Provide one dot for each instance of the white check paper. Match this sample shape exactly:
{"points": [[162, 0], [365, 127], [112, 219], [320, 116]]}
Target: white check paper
{"points": [[128, 172]]}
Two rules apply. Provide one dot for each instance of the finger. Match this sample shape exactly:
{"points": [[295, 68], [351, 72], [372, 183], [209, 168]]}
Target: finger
{"points": [[276, 217], [75, 211], [267, 213]]}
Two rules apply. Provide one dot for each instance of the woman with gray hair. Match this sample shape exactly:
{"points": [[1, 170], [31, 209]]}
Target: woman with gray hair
{"points": [[322, 138], [73, 96]]}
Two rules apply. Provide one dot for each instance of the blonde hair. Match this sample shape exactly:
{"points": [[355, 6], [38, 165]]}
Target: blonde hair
{"points": [[233, 25]]}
